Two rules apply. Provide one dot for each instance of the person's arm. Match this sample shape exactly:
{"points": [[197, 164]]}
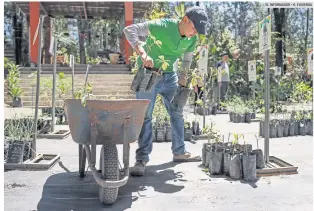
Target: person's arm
{"points": [[186, 63], [187, 57], [132, 34]]}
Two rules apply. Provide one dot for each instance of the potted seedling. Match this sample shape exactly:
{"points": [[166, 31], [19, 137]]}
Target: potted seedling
{"points": [[242, 113], [14, 88], [216, 155], [213, 108], [160, 130], [237, 116], [247, 114], [199, 107], [205, 150], [260, 162], [196, 126], [272, 128], [309, 123], [249, 165], [168, 135], [280, 128], [211, 133], [302, 123], [292, 125], [235, 163], [146, 78], [182, 93], [286, 123], [187, 131], [161, 116], [154, 130], [230, 109], [298, 118]]}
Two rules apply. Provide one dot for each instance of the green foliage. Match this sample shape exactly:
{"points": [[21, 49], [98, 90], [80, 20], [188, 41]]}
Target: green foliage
{"points": [[64, 85], [160, 114], [91, 60], [84, 93], [302, 93], [236, 138], [19, 128], [14, 88], [211, 132], [239, 106]]}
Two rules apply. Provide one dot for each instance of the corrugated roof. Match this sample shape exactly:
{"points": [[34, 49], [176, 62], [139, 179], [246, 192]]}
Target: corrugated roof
{"points": [[91, 9]]}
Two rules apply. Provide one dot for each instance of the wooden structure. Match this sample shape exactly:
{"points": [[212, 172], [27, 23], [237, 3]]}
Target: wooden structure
{"points": [[84, 10]]}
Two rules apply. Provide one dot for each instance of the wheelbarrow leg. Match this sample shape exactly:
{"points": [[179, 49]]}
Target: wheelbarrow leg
{"points": [[82, 160]]}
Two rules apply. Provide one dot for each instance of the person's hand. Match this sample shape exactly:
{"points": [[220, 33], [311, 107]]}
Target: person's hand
{"points": [[182, 79], [195, 89], [147, 61]]}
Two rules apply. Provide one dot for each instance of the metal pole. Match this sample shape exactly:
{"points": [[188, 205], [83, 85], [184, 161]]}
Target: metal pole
{"points": [[37, 87], [54, 75], [267, 102], [73, 61], [254, 90], [204, 100]]}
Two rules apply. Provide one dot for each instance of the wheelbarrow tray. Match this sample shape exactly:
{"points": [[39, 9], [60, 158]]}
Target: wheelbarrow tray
{"points": [[108, 116]]}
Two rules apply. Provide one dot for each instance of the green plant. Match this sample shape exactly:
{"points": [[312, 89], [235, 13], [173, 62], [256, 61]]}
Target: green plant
{"points": [[302, 93], [7, 62], [14, 88], [211, 132], [187, 125], [91, 60], [19, 128], [64, 85], [160, 114], [236, 138], [84, 93]]}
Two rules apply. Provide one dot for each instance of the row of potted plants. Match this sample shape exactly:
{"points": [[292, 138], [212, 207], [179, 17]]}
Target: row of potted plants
{"points": [[163, 133], [210, 109], [18, 134], [59, 113], [240, 111], [289, 124], [17, 139], [238, 161]]}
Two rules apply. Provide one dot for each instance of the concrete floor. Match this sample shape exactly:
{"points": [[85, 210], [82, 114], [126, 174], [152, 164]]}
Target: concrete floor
{"points": [[167, 185]]}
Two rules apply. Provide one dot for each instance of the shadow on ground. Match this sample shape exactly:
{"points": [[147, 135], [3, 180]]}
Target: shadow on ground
{"points": [[67, 191], [227, 178]]}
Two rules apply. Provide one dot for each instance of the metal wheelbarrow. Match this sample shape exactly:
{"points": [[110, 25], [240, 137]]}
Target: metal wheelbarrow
{"points": [[106, 123]]}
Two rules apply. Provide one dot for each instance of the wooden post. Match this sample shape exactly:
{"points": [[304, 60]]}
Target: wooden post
{"points": [[128, 15], [34, 8]]}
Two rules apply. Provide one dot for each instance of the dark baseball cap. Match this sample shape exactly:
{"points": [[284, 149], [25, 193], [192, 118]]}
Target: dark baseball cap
{"points": [[224, 53], [199, 18]]}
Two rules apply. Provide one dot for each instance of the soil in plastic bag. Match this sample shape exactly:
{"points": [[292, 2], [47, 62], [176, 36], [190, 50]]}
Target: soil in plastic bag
{"points": [[249, 167], [260, 162], [235, 167], [291, 128], [216, 162], [181, 97]]}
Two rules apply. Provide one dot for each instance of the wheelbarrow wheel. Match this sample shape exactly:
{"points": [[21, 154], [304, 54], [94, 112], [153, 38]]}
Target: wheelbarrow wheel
{"points": [[110, 172], [82, 160]]}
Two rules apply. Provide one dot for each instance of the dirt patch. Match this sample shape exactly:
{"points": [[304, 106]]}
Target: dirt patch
{"points": [[13, 185]]}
